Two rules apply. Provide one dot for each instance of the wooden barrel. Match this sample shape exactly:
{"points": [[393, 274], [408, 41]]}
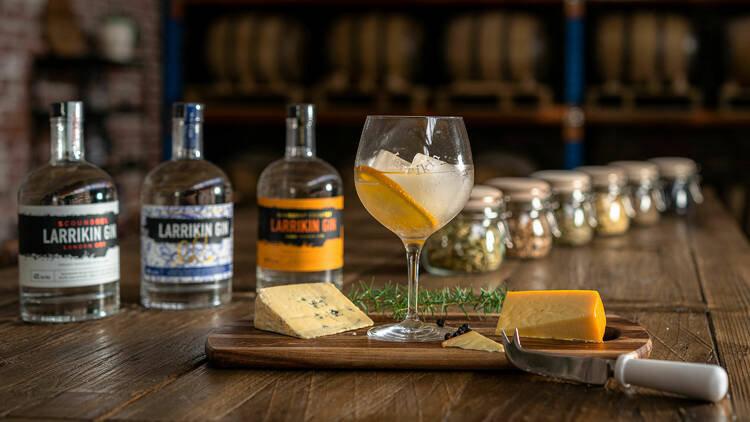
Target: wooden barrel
{"points": [[646, 49], [738, 37], [256, 51], [373, 50], [495, 46]]}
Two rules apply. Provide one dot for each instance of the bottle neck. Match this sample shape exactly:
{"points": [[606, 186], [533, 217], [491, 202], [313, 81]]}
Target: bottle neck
{"points": [[187, 140], [66, 140], [300, 139]]}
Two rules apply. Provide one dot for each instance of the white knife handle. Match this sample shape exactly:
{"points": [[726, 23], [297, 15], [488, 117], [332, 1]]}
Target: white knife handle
{"points": [[695, 380]]}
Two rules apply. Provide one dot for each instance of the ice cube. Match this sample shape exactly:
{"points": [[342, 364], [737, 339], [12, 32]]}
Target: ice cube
{"points": [[388, 161], [425, 164]]}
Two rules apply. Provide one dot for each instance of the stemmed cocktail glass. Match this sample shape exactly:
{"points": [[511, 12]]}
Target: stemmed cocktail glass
{"points": [[413, 174]]}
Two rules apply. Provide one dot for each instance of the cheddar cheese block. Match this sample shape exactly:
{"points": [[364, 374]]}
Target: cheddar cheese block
{"points": [[474, 341], [307, 311], [555, 314]]}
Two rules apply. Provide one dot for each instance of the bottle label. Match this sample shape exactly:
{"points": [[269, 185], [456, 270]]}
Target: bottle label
{"points": [[68, 245], [300, 234], [186, 243]]}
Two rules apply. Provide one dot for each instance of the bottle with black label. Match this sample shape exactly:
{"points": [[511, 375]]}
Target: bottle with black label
{"points": [[300, 202], [69, 258], [186, 223]]}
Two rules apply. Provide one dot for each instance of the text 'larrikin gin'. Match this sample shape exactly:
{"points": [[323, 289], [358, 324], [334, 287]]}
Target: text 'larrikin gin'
{"points": [[69, 256], [300, 204], [186, 223]]}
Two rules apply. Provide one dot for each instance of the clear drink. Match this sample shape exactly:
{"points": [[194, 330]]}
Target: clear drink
{"points": [[69, 258], [186, 224], [414, 203], [413, 174], [300, 233]]}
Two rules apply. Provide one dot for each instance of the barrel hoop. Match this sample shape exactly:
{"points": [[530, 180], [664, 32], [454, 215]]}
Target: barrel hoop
{"points": [[505, 22], [627, 44], [661, 56], [354, 50], [474, 34], [254, 43], [380, 60]]}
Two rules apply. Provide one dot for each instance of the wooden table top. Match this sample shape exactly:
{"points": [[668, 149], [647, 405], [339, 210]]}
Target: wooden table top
{"points": [[687, 281]]}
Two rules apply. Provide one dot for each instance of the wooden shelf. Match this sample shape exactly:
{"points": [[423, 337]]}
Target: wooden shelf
{"points": [[229, 114], [697, 118], [182, 4], [56, 62]]}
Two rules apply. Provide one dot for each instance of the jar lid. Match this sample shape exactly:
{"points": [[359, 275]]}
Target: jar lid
{"points": [[638, 170], [675, 166], [482, 197], [521, 188], [603, 176], [564, 180]]}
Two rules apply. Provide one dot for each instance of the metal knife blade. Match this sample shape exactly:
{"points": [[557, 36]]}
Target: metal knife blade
{"points": [[572, 368]]}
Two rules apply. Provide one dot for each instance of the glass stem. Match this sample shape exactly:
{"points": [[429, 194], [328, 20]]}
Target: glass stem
{"points": [[413, 250]]}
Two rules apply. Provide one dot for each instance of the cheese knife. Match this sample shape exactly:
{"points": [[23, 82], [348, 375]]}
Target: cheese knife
{"points": [[694, 380]]}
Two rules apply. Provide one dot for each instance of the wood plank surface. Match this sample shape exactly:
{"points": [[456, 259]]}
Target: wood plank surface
{"points": [[241, 345], [686, 281]]}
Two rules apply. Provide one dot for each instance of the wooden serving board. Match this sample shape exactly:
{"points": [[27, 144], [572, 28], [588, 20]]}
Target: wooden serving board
{"points": [[240, 345]]}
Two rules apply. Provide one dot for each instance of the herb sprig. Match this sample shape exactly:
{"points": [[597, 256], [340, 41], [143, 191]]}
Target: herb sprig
{"points": [[393, 298]]}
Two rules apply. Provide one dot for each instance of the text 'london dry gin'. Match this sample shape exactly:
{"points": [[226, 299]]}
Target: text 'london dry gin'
{"points": [[69, 258], [300, 202], [186, 223]]}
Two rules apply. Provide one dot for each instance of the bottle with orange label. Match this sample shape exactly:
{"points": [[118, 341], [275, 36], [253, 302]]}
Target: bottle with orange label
{"points": [[300, 205]]}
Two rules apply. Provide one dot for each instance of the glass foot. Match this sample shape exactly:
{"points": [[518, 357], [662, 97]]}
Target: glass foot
{"points": [[408, 331]]}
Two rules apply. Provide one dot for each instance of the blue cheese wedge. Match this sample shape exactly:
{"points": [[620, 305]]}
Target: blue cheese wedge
{"points": [[307, 311], [474, 341]]}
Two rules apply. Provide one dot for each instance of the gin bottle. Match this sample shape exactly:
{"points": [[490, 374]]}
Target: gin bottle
{"points": [[69, 258], [300, 233], [186, 223]]}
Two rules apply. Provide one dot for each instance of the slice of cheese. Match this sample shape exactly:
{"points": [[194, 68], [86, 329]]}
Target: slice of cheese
{"points": [[474, 341], [556, 314], [307, 310]]}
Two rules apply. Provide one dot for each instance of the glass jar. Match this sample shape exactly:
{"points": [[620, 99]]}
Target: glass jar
{"points": [[644, 190], [474, 241], [680, 183], [531, 222], [611, 202], [573, 204]]}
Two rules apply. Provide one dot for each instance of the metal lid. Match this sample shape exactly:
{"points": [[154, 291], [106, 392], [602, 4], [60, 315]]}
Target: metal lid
{"points": [[188, 112], [67, 109], [564, 180], [675, 166], [482, 197], [521, 188], [303, 113], [638, 170], [603, 176]]}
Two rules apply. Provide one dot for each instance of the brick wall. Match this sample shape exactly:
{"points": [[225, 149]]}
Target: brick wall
{"points": [[135, 138]]}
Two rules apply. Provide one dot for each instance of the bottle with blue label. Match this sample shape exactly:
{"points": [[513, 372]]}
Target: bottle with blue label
{"points": [[186, 223]]}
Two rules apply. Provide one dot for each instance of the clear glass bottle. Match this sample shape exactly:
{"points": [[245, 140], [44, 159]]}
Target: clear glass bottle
{"points": [[300, 204], [474, 241], [573, 203], [611, 201], [187, 231], [69, 258], [644, 190], [680, 183], [531, 222]]}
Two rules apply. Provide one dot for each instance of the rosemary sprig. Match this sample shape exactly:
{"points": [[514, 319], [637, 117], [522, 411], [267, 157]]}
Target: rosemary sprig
{"points": [[393, 298]]}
